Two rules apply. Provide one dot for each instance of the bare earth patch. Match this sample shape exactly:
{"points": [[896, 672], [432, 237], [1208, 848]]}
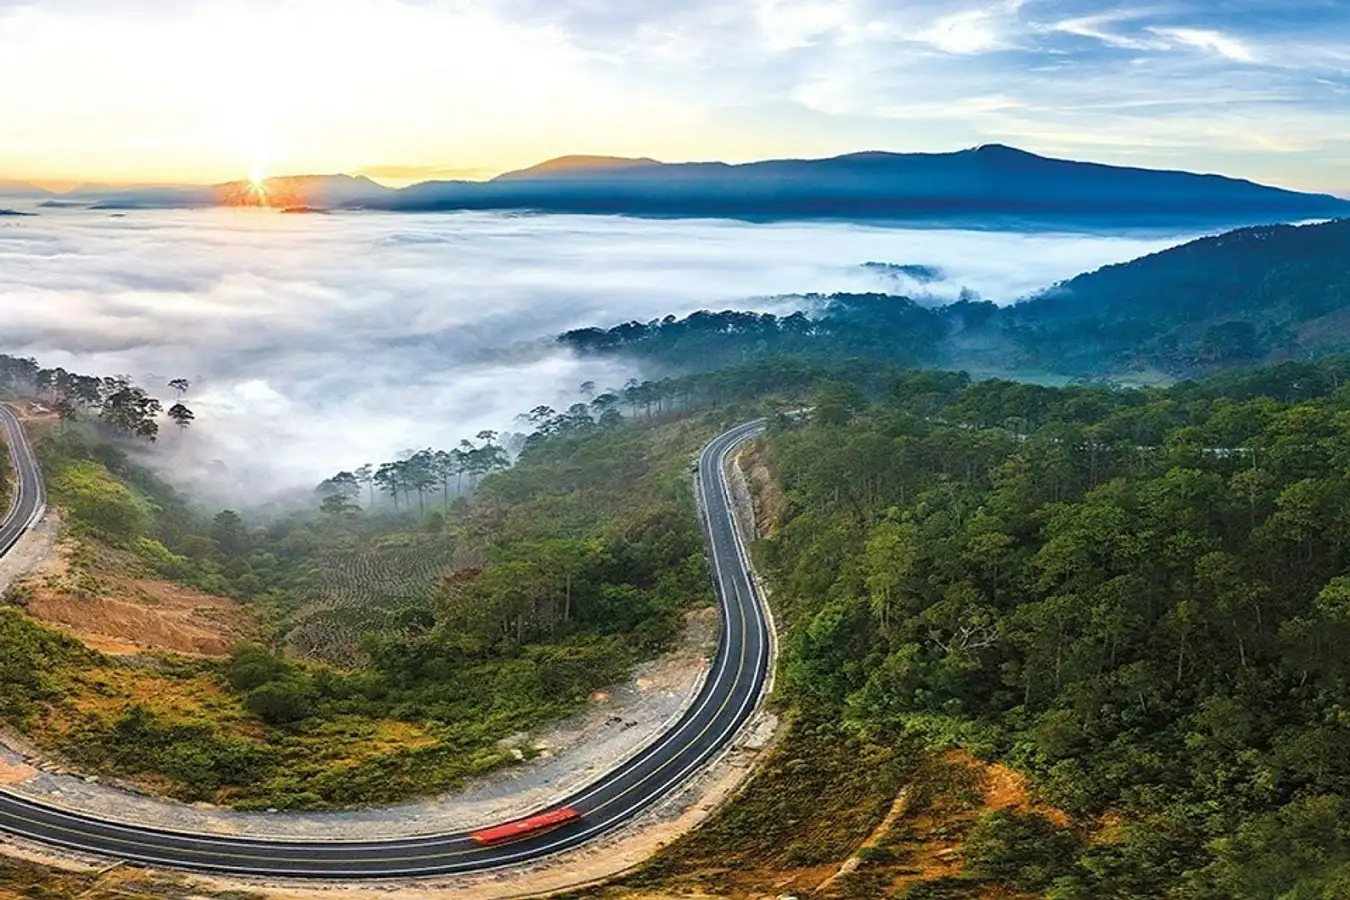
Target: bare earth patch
{"points": [[144, 615], [16, 773], [1006, 788], [35, 549], [763, 489], [124, 616], [930, 835]]}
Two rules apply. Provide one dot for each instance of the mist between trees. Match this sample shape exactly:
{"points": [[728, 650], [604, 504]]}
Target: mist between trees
{"points": [[115, 402], [441, 474], [388, 650]]}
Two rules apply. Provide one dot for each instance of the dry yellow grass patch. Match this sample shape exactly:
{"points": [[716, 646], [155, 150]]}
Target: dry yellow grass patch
{"points": [[111, 690]]}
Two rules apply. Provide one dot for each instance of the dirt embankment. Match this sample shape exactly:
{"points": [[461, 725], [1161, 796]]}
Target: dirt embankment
{"points": [[126, 616], [33, 550], [926, 831], [110, 611], [764, 492]]}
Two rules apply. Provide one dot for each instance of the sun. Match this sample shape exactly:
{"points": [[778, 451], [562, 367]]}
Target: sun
{"points": [[257, 180], [255, 149], [250, 139]]}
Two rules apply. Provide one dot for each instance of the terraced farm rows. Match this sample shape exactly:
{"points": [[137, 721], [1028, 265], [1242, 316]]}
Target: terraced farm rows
{"points": [[385, 587]]}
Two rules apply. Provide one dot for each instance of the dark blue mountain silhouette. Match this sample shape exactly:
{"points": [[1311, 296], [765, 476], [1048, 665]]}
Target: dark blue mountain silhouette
{"points": [[993, 184], [992, 180]]}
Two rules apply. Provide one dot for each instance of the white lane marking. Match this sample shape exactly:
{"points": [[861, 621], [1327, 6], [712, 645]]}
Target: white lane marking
{"points": [[731, 438], [16, 444]]}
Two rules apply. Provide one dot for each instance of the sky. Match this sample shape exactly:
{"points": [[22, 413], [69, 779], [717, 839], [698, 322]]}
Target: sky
{"points": [[317, 343], [403, 90]]}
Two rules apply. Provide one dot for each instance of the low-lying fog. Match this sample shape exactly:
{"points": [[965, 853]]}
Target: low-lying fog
{"points": [[320, 342]]}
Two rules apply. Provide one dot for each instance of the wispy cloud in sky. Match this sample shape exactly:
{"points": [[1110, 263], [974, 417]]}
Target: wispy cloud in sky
{"points": [[127, 88], [1207, 39], [967, 32]]}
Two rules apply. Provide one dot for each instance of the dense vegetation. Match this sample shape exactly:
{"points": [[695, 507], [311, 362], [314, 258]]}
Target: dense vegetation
{"points": [[1253, 295], [563, 571], [1138, 596], [119, 406], [398, 636]]}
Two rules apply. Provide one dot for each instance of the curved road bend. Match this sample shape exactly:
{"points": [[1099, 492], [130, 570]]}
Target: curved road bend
{"points": [[30, 494], [726, 700]]}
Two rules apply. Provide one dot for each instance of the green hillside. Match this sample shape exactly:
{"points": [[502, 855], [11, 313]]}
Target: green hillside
{"points": [[1239, 299], [1234, 299]]}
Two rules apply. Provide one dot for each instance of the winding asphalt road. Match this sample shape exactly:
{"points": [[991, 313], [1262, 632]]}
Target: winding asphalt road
{"points": [[30, 494], [726, 700]]}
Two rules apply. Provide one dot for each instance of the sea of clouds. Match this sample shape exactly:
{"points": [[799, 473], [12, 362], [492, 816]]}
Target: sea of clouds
{"points": [[319, 342]]}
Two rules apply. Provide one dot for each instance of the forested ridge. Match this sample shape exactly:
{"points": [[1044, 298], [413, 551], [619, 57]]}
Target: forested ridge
{"points": [[1138, 596], [1234, 300], [881, 326]]}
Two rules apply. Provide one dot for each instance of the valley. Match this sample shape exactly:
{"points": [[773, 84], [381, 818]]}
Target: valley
{"points": [[438, 587]]}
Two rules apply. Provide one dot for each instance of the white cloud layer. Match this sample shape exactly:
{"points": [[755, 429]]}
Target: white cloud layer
{"points": [[322, 342]]}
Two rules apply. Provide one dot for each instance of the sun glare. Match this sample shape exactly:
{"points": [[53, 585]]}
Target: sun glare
{"points": [[257, 178]]}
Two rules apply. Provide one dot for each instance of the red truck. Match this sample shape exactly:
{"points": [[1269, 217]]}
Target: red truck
{"points": [[524, 828]]}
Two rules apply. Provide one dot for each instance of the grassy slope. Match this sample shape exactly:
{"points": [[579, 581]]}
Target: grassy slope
{"points": [[182, 727]]}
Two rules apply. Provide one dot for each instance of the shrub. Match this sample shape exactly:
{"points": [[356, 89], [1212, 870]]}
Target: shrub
{"points": [[251, 666], [98, 502], [1024, 850], [281, 702]]}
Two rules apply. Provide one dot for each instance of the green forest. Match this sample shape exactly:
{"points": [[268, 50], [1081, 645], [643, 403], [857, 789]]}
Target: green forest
{"points": [[1139, 597], [1239, 299], [574, 563]]}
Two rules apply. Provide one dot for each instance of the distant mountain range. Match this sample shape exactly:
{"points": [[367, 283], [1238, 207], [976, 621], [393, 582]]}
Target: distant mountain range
{"points": [[18, 190], [992, 184]]}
